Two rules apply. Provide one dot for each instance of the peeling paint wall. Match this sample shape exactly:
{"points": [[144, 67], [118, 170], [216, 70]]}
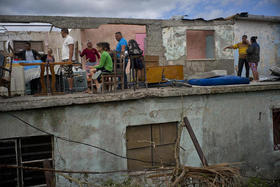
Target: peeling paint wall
{"points": [[174, 40], [268, 38], [242, 132], [174, 43]]}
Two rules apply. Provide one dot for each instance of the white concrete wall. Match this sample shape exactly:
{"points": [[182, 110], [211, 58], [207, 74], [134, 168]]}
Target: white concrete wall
{"points": [[233, 127], [268, 38]]}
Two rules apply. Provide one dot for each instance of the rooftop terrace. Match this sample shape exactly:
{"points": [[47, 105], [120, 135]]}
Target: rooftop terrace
{"points": [[31, 102]]}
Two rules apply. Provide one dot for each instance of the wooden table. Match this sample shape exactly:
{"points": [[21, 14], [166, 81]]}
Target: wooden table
{"points": [[42, 78]]}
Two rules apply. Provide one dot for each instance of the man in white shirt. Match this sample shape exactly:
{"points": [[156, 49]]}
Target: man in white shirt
{"points": [[68, 56]]}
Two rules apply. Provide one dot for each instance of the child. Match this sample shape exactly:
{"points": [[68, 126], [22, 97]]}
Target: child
{"points": [[105, 63]]}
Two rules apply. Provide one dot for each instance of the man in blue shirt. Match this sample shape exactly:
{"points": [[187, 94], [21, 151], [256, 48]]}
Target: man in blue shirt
{"points": [[120, 49], [122, 44]]}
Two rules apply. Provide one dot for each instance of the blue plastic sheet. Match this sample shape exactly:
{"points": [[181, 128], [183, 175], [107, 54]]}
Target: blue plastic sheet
{"points": [[223, 80]]}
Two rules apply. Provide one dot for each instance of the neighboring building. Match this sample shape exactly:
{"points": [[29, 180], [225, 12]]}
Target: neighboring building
{"points": [[267, 29]]}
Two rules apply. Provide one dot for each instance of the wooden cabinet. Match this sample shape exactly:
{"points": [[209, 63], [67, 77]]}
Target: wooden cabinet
{"points": [[157, 74]]}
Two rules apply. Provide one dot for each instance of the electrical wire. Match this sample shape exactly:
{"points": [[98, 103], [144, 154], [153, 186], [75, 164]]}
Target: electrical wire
{"points": [[82, 143]]}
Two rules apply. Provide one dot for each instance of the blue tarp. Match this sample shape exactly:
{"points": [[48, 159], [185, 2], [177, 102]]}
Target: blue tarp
{"points": [[223, 80]]}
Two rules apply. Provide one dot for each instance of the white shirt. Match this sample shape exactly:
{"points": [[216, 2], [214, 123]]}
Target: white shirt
{"points": [[29, 55], [65, 48]]}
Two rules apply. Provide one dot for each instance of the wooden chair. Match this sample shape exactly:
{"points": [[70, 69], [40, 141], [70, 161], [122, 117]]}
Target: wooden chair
{"points": [[111, 81], [5, 81]]}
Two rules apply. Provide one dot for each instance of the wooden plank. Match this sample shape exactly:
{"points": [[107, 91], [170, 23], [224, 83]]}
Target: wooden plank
{"points": [[195, 142], [154, 74], [49, 176], [164, 155], [164, 133], [141, 154], [151, 58], [138, 136], [174, 72], [151, 61], [40, 63], [168, 133]]}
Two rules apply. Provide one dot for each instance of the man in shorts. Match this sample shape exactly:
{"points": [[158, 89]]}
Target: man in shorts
{"points": [[68, 56]]}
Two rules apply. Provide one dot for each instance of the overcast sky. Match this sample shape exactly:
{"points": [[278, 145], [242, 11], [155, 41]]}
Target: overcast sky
{"points": [[206, 9]]}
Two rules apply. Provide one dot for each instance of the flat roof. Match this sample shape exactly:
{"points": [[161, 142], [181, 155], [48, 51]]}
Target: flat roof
{"points": [[32, 102]]}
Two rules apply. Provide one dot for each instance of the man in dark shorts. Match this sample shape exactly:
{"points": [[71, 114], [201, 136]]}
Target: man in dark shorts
{"points": [[68, 56]]}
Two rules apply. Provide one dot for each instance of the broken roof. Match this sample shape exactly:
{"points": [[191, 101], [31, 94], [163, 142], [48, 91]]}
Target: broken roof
{"points": [[251, 17], [95, 22]]}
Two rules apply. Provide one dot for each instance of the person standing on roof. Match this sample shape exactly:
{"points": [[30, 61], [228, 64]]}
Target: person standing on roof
{"points": [[68, 56], [253, 57], [242, 47], [121, 50]]}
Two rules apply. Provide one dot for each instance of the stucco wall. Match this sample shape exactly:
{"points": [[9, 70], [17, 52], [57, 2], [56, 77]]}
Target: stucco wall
{"points": [[106, 33], [234, 127], [268, 38], [50, 40], [174, 43]]}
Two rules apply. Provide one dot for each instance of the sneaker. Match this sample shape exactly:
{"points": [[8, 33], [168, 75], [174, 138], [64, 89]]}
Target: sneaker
{"points": [[96, 75]]}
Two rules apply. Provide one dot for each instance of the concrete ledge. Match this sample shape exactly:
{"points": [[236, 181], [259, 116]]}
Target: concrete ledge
{"points": [[30, 102]]}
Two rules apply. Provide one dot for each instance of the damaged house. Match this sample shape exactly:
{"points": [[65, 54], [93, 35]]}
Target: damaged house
{"points": [[133, 130]]}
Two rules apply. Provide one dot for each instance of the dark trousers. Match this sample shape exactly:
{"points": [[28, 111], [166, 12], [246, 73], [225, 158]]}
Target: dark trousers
{"points": [[241, 63]]}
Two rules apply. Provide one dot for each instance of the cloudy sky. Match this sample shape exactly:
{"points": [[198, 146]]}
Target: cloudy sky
{"points": [[206, 9]]}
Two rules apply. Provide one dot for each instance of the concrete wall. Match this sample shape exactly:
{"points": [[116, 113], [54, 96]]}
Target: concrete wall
{"points": [[242, 132], [268, 38], [106, 33], [175, 42], [50, 40]]}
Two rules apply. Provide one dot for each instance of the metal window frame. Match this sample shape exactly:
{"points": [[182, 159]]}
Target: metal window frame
{"points": [[18, 143]]}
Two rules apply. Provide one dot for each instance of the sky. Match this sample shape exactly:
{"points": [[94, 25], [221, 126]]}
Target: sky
{"points": [[159, 9]]}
